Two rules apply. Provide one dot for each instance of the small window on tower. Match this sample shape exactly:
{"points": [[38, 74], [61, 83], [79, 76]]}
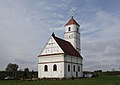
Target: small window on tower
{"points": [[69, 29]]}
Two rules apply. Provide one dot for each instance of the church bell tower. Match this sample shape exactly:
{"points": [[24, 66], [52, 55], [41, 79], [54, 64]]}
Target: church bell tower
{"points": [[72, 33]]}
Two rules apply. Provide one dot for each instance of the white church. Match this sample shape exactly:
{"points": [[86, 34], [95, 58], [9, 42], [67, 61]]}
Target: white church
{"points": [[61, 58]]}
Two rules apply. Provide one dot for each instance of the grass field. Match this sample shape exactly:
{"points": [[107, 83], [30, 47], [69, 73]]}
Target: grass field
{"points": [[88, 81]]}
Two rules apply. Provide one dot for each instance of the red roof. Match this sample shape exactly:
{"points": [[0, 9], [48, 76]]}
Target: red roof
{"points": [[72, 21], [66, 47]]}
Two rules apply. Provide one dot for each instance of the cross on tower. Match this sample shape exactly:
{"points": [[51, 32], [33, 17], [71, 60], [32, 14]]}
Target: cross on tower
{"points": [[72, 11]]}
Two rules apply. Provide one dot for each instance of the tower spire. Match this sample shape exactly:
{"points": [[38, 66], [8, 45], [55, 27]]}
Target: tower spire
{"points": [[72, 17], [72, 21], [53, 34]]}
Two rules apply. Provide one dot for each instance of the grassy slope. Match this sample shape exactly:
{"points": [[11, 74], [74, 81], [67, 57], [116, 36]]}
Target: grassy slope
{"points": [[88, 81]]}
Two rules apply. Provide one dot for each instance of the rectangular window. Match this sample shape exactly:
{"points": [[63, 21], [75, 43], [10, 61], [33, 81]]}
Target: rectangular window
{"points": [[74, 68], [78, 68], [68, 68]]}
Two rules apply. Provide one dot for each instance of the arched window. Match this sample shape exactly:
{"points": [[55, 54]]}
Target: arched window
{"points": [[68, 67], [54, 67], [45, 68], [74, 68], [69, 29]]}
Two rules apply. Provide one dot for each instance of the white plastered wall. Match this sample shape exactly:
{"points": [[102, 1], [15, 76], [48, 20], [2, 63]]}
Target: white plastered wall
{"points": [[73, 36], [72, 60], [50, 61], [51, 47]]}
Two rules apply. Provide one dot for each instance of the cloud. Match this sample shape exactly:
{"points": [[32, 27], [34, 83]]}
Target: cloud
{"points": [[100, 41], [24, 28], [19, 33], [105, 53], [26, 25]]}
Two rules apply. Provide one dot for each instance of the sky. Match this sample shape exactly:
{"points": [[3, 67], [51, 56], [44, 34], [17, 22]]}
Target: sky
{"points": [[26, 25]]}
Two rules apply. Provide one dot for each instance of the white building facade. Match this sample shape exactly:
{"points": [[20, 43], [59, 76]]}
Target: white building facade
{"points": [[61, 58]]}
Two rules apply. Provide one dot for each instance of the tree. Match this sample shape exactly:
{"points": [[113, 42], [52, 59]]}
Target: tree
{"points": [[26, 70], [32, 74], [12, 68], [26, 73]]}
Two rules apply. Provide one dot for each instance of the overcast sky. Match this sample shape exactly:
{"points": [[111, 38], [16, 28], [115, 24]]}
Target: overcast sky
{"points": [[26, 25]]}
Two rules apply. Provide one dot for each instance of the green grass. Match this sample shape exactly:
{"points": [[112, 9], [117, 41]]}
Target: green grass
{"points": [[89, 81]]}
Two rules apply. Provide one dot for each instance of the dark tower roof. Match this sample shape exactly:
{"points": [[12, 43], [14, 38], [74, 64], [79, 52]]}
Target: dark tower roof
{"points": [[72, 21]]}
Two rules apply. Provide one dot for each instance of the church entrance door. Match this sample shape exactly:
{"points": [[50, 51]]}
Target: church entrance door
{"points": [[76, 74]]}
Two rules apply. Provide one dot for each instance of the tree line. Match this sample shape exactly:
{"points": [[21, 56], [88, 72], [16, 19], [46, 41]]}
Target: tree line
{"points": [[11, 72]]}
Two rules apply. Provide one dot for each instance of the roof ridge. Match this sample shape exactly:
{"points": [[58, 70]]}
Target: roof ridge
{"points": [[67, 47], [61, 39]]}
